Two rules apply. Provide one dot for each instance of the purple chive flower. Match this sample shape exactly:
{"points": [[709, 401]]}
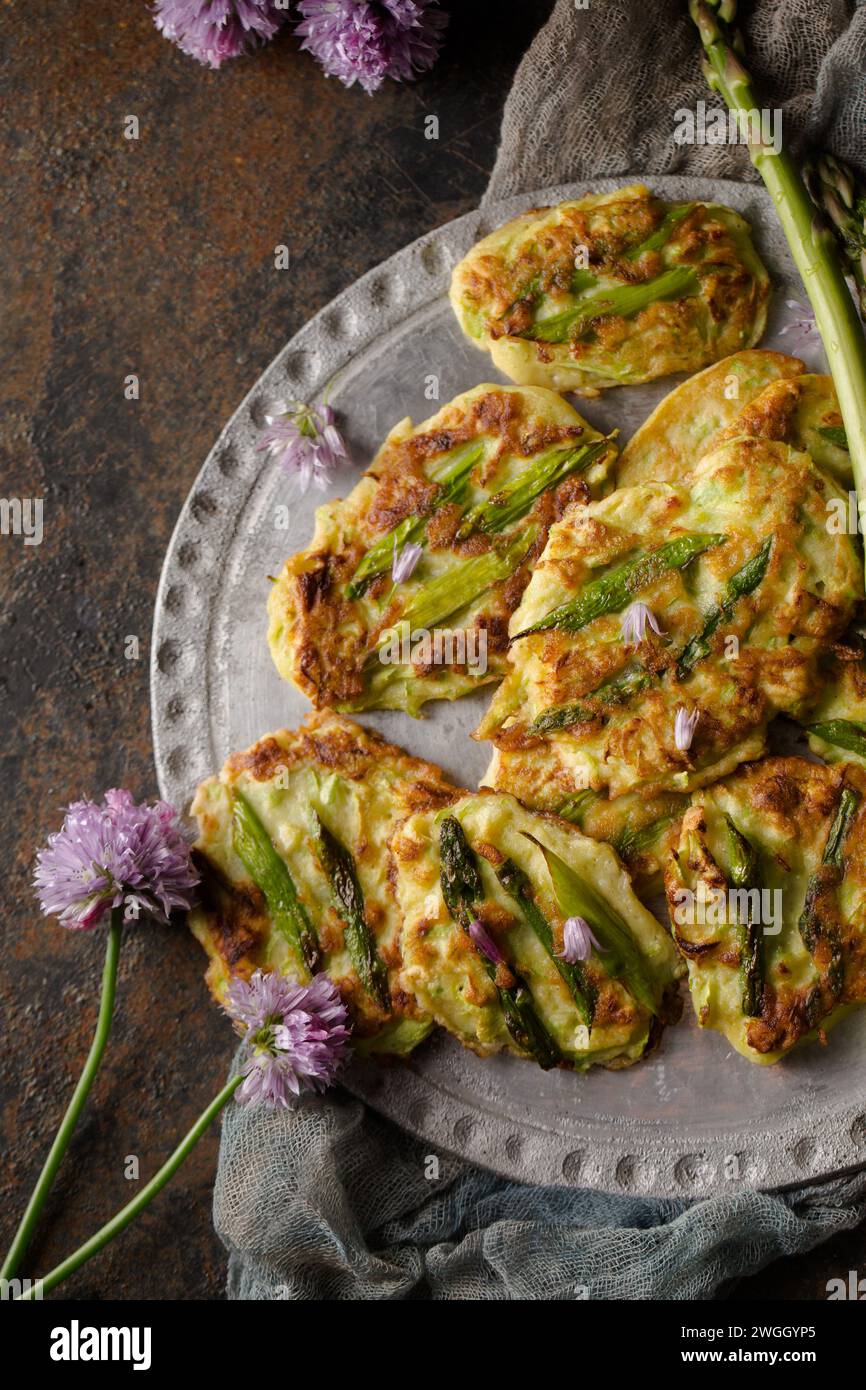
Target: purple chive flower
{"points": [[366, 41], [804, 327], [485, 943], [306, 442], [403, 565], [577, 940], [296, 1036], [684, 727], [635, 620], [213, 30], [113, 855]]}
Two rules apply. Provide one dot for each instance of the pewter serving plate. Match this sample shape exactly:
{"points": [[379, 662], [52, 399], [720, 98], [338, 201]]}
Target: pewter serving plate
{"points": [[694, 1117]]}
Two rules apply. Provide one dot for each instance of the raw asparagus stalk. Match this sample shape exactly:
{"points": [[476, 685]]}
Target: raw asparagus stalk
{"points": [[841, 194], [613, 590], [849, 734], [622, 958], [745, 873], [744, 581], [340, 871], [516, 497], [463, 889], [270, 873], [811, 242], [451, 480], [580, 986], [680, 282], [815, 929]]}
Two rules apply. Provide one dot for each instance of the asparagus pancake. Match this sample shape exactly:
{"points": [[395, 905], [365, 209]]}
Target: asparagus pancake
{"points": [[292, 851], [640, 828], [687, 423], [612, 289], [486, 888], [666, 624], [471, 494], [837, 725], [802, 411], [761, 394], [767, 896]]}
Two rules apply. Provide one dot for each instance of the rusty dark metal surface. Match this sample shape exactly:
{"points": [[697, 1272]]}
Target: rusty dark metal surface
{"points": [[156, 257]]}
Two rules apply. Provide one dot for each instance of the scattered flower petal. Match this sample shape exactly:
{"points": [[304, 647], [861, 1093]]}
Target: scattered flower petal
{"points": [[116, 854], [578, 940], [296, 1036], [366, 41], [635, 620], [404, 563], [213, 30], [306, 442], [485, 943], [804, 327], [684, 727]]}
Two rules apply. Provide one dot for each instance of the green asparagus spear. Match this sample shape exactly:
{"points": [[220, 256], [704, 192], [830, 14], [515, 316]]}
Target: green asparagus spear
{"points": [[462, 889], [450, 591], [613, 590], [631, 842], [580, 986], [611, 692], [451, 478], [834, 848], [524, 1023], [744, 581], [813, 927], [340, 871], [582, 280], [841, 194], [662, 234], [812, 244], [516, 497], [680, 282], [834, 435], [849, 734], [458, 586], [745, 874], [622, 957], [270, 873], [461, 882], [530, 291], [575, 807]]}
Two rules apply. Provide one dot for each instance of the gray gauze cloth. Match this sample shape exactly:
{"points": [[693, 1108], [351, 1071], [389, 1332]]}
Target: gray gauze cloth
{"points": [[328, 1200]]}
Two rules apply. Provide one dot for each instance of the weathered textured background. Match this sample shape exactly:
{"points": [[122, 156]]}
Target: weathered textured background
{"points": [[155, 257]]}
